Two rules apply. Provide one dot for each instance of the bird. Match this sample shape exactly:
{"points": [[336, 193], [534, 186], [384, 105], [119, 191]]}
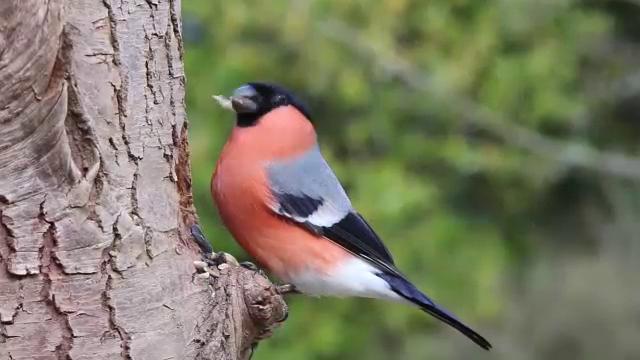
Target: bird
{"points": [[282, 202]]}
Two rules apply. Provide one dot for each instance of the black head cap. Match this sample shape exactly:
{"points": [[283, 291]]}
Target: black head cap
{"points": [[254, 99]]}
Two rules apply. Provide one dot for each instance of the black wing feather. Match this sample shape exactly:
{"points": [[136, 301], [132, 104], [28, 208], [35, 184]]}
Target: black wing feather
{"points": [[355, 235], [299, 206], [352, 232]]}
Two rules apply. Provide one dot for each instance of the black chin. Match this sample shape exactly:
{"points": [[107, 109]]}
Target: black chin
{"points": [[247, 119]]}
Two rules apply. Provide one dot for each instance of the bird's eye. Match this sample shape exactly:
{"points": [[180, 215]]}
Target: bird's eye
{"points": [[278, 100]]}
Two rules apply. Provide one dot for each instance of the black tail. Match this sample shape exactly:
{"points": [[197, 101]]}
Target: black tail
{"points": [[405, 289]]}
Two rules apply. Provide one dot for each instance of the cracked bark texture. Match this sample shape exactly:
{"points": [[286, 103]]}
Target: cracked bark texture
{"points": [[95, 193]]}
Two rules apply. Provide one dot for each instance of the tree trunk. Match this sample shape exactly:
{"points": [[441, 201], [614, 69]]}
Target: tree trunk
{"points": [[96, 259]]}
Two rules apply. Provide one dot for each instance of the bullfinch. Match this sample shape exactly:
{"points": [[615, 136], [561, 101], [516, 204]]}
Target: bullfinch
{"points": [[284, 205]]}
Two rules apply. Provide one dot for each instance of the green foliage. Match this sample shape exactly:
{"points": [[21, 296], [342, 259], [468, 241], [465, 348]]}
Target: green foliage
{"points": [[397, 89]]}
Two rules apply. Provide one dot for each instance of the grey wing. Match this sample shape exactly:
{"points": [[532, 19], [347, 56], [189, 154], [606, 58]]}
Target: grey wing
{"points": [[306, 190]]}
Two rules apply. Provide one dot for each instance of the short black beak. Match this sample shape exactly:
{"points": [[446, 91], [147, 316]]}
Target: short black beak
{"points": [[243, 105], [245, 100]]}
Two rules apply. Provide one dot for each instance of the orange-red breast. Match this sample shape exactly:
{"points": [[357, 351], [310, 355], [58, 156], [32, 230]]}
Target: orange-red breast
{"points": [[283, 204]]}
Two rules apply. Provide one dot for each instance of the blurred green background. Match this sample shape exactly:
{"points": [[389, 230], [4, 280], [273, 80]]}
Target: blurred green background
{"points": [[493, 144]]}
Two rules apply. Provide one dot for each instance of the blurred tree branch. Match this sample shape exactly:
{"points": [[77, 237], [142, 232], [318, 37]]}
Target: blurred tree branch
{"points": [[568, 153]]}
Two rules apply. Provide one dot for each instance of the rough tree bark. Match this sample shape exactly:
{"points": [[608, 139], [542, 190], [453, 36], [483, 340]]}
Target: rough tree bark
{"points": [[95, 193]]}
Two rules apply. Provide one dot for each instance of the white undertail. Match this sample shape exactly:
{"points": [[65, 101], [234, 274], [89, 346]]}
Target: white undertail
{"points": [[355, 277]]}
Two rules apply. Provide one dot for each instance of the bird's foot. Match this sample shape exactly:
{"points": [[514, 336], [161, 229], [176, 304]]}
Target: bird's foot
{"points": [[249, 266], [222, 258], [211, 261], [210, 257], [201, 239], [253, 267], [287, 289], [215, 261]]}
